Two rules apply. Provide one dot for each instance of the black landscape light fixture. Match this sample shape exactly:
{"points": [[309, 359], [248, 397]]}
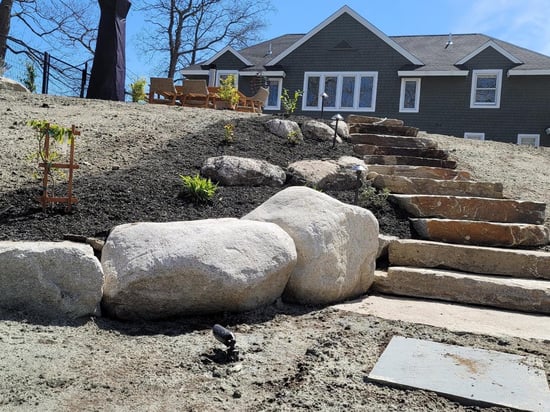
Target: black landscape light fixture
{"points": [[324, 97], [358, 169], [337, 118]]}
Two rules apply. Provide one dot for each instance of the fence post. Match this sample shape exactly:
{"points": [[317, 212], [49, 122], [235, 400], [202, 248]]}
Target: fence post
{"points": [[84, 78], [45, 73]]}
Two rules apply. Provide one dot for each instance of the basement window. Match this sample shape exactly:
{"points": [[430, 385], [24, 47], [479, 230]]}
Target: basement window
{"points": [[474, 136], [529, 139]]}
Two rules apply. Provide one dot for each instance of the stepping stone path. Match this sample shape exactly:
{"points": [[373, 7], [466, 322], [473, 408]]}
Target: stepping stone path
{"points": [[472, 240]]}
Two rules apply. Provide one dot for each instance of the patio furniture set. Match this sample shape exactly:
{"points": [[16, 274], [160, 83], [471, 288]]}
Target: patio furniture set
{"points": [[196, 93]]}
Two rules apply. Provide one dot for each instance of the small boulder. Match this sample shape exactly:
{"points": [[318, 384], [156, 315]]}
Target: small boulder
{"points": [[343, 128], [285, 129], [241, 171], [51, 279], [326, 174], [314, 129], [336, 243], [161, 270]]}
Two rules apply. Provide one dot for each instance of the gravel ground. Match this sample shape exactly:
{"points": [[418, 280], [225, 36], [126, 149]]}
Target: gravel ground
{"points": [[291, 358]]}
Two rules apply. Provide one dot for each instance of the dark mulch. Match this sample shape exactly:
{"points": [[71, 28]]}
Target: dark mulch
{"points": [[148, 191]]}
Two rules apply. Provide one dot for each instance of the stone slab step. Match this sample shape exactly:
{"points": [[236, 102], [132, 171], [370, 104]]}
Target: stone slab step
{"points": [[452, 316], [409, 160], [383, 129], [393, 141], [528, 264], [423, 186], [425, 172], [426, 152], [469, 232], [471, 208], [507, 293], [358, 118]]}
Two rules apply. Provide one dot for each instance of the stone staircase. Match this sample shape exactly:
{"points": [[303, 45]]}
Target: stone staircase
{"points": [[472, 246]]}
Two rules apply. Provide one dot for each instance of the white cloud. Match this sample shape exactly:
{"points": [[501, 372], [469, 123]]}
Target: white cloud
{"points": [[522, 23]]}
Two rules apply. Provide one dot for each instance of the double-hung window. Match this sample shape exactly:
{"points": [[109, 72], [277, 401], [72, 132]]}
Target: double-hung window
{"points": [[410, 96], [352, 91], [486, 89]]}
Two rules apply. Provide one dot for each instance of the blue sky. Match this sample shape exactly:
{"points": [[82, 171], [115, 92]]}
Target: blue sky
{"points": [[524, 23]]}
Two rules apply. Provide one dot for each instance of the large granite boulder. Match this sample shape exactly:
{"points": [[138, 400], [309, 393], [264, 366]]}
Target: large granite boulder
{"points": [[160, 270], [241, 171], [55, 280], [285, 128], [336, 243], [314, 129], [327, 174], [12, 85]]}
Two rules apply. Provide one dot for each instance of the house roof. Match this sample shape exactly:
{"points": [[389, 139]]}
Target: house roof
{"points": [[427, 54]]}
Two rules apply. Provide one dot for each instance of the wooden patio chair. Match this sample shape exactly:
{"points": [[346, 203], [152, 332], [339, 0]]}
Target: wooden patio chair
{"points": [[257, 102], [162, 91], [194, 93]]}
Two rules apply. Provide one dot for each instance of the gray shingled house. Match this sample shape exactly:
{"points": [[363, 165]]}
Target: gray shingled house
{"points": [[467, 85]]}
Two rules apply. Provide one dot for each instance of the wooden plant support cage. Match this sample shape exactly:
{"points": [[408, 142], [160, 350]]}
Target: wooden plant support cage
{"points": [[45, 198]]}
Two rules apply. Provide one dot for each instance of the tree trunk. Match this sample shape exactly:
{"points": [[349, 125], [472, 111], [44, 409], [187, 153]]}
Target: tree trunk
{"points": [[5, 16]]}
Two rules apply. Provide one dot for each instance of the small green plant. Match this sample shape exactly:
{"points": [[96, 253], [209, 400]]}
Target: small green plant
{"points": [[293, 137], [290, 103], [198, 189], [137, 90], [371, 198], [30, 77], [228, 133], [228, 92]]}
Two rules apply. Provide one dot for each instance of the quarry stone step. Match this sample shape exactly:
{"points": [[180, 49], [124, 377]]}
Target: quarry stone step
{"points": [[469, 232], [427, 152], [358, 118], [409, 160], [471, 208], [525, 295], [528, 264], [421, 172], [390, 140], [383, 129], [424, 186]]}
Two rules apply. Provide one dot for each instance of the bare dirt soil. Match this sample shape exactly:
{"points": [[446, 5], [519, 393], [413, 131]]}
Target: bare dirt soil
{"points": [[290, 358]]}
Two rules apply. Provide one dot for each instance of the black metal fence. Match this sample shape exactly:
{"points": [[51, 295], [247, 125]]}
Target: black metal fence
{"points": [[56, 75]]}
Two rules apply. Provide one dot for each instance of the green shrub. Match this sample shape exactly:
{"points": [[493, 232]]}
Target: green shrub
{"points": [[198, 189], [371, 198], [30, 77], [228, 92], [290, 103], [137, 90]]}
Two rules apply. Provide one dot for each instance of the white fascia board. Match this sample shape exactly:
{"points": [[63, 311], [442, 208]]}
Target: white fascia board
{"points": [[440, 73], [263, 73], [520, 72], [196, 72], [346, 9], [231, 50], [495, 46]]}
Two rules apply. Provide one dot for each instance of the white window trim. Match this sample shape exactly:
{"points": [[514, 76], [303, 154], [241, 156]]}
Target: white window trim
{"points": [[338, 102], [279, 91], [220, 73], [416, 108], [496, 105], [522, 136], [474, 136]]}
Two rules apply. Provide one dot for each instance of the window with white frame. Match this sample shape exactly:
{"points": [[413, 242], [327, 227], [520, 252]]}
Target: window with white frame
{"points": [[409, 102], [486, 89], [344, 91], [529, 139], [474, 136], [222, 74], [275, 89]]}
